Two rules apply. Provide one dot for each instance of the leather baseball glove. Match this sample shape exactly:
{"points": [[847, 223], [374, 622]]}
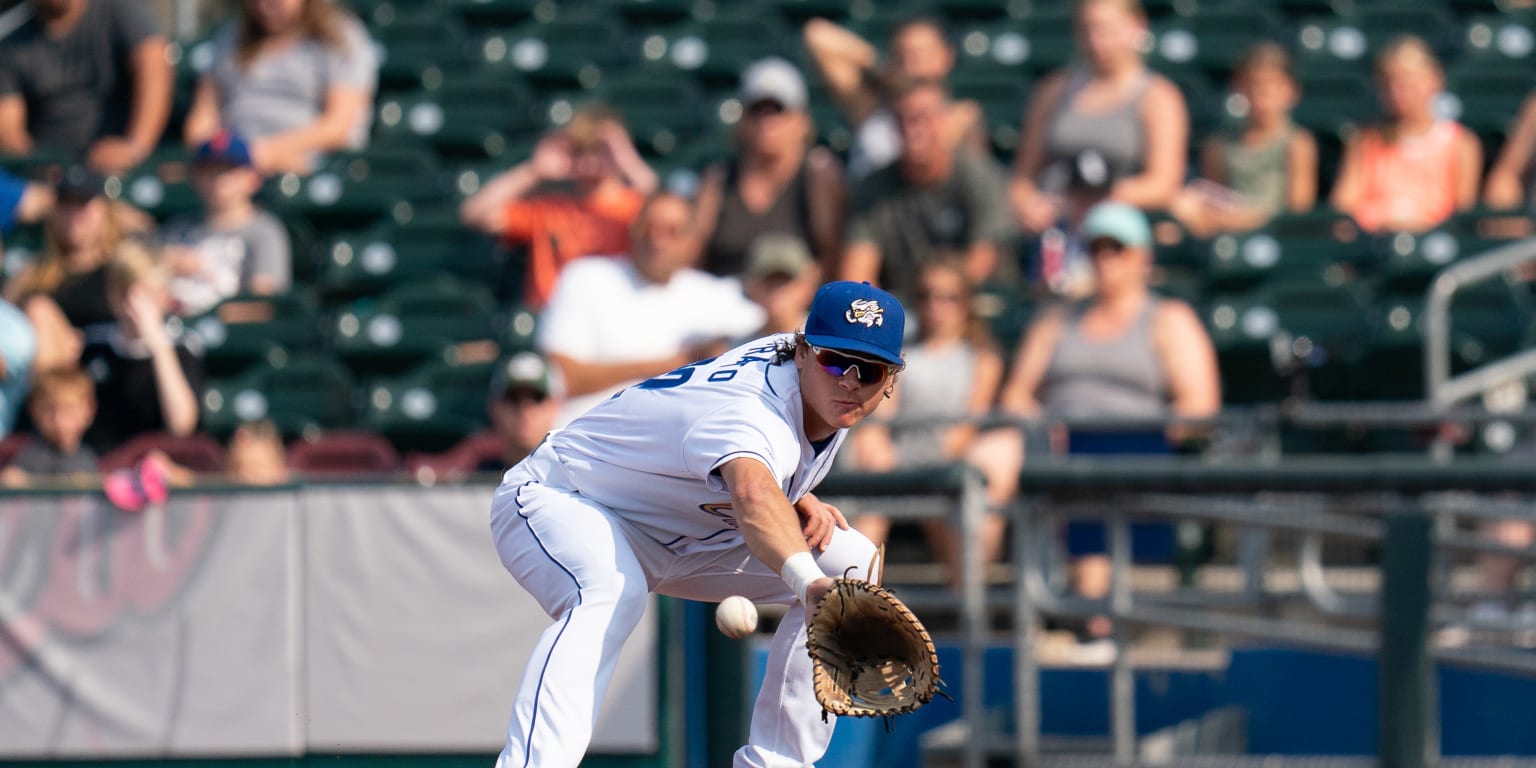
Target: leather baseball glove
{"points": [[870, 655]]}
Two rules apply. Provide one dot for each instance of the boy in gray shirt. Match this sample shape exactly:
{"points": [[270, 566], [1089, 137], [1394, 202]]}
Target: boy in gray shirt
{"points": [[236, 247]]}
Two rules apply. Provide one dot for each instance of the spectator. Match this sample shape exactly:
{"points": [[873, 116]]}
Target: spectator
{"points": [[236, 247], [62, 407], [1268, 167], [148, 372], [18, 349], [1510, 180], [1105, 128], [860, 82], [19, 201], [526, 396], [951, 377], [782, 278], [615, 321], [778, 181], [933, 200], [1122, 354], [64, 292], [295, 77], [1414, 169], [606, 183], [256, 455], [86, 77]]}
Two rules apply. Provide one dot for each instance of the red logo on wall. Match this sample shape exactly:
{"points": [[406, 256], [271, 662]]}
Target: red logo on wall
{"points": [[74, 568]]}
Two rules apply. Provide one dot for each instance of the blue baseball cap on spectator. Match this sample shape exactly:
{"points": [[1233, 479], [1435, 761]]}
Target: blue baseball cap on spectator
{"points": [[11, 191], [857, 318], [1125, 224], [225, 148]]}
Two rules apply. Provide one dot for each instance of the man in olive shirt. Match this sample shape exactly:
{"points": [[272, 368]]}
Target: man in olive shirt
{"points": [[932, 203]]}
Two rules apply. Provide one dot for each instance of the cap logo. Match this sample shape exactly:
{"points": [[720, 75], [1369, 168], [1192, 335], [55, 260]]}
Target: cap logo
{"points": [[866, 311]]}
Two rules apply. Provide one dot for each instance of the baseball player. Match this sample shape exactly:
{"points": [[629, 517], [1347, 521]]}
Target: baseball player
{"points": [[695, 484]]}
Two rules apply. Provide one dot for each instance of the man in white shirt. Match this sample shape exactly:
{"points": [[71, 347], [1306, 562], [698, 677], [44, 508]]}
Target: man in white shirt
{"points": [[615, 321], [696, 484]]}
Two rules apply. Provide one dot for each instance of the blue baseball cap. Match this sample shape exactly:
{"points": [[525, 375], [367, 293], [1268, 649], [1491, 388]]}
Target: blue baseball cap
{"points": [[857, 318], [225, 148], [11, 191], [1125, 224]]}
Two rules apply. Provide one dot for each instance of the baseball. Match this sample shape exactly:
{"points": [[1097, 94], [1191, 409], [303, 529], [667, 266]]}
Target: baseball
{"points": [[736, 617]]}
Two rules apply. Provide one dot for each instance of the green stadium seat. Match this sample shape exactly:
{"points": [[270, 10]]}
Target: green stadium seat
{"points": [[964, 11], [393, 255], [431, 408], [413, 324], [659, 108], [1409, 261], [1040, 44], [1241, 261], [1003, 95], [1499, 42], [649, 13], [359, 190], [716, 51], [1285, 340], [483, 14], [1212, 40], [1487, 322], [1354, 38], [248, 330], [303, 395], [471, 117], [160, 196], [419, 47], [572, 51]]}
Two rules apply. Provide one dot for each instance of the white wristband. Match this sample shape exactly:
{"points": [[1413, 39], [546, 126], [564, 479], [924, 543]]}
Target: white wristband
{"points": [[799, 571]]}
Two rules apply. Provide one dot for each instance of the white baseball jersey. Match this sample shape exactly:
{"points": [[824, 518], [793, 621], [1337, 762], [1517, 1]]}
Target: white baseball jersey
{"points": [[644, 452]]}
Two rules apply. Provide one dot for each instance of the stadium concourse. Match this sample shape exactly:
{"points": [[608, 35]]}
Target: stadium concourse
{"points": [[355, 219]]}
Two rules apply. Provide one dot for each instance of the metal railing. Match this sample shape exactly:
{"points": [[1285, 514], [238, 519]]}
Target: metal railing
{"points": [[1440, 387], [1382, 502]]}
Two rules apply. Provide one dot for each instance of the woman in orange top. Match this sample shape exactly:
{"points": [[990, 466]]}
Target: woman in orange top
{"points": [[1414, 169], [601, 182]]}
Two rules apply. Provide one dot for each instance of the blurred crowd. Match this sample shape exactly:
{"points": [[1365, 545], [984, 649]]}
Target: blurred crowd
{"points": [[631, 278]]}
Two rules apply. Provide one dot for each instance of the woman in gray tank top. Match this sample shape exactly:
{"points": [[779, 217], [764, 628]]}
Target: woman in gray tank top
{"points": [[1132, 122], [1124, 353], [951, 377]]}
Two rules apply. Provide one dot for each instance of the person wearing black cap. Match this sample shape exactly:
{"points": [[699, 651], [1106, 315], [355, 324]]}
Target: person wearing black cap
{"points": [[526, 395], [696, 484], [63, 291], [86, 77]]}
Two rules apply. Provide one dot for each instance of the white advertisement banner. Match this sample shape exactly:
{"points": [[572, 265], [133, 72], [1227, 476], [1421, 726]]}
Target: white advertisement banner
{"points": [[369, 619]]}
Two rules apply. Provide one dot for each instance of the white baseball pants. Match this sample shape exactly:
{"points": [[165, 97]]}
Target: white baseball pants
{"points": [[591, 571]]}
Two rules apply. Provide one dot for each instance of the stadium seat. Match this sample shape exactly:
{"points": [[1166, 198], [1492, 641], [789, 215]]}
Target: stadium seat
{"points": [[466, 117], [343, 455], [1003, 94], [660, 109], [1408, 261], [413, 324], [1499, 42], [302, 395], [1487, 322], [1042, 43], [716, 51], [1288, 340], [248, 329], [328, 201], [10, 445], [419, 47], [569, 51], [431, 408], [197, 452], [465, 457], [649, 13], [1212, 40], [162, 198], [393, 254], [483, 14], [1240, 261], [795, 13]]}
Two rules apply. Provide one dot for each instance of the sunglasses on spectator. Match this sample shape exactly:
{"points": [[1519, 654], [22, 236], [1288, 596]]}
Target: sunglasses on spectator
{"points": [[837, 364], [1105, 245], [523, 396], [765, 107]]}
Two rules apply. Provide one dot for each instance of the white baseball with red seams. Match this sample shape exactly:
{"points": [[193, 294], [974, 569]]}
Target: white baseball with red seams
{"points": [[736, 617]]}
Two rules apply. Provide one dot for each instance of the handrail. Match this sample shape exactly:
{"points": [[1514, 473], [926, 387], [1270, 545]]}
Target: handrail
{"points": [[1440, 388]]}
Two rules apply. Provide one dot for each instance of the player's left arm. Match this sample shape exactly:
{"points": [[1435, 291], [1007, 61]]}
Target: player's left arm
{"points": [[771, 526]]}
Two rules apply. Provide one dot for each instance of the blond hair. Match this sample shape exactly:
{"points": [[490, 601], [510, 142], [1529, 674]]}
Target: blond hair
{"points": [[48, 385], [132, 263], [45, 275]]}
